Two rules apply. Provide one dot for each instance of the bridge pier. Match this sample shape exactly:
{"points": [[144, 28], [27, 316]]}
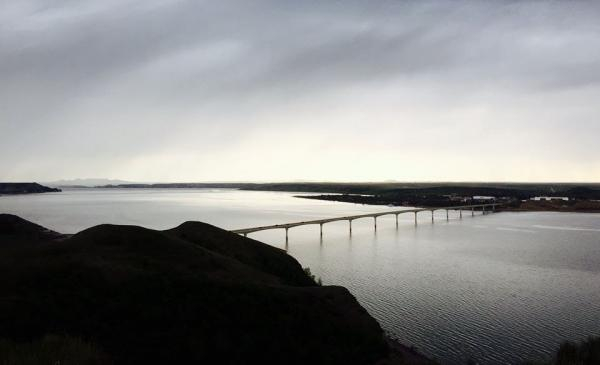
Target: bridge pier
{"points": [[286, 234], [350, 224], [321, 229], [447, 218], [396, 221], [432, 216], [375, 221], [483, 209], [472, 212], [415, 218], [460, 213]]}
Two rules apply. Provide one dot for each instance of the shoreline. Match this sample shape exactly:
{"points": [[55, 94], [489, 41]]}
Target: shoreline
{"points": [[583, 206]]}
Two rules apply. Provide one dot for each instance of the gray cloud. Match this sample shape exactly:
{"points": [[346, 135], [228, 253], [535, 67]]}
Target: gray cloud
{"points": [[91, 87]]}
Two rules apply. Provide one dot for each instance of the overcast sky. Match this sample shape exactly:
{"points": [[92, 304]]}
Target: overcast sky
{"points": [[300, 90]]}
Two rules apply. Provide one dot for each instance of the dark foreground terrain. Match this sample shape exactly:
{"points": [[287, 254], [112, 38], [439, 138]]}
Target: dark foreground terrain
{"points": [[25, 188], [192, 294]]}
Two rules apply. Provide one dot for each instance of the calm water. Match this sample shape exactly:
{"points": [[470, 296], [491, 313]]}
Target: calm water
{"points": [[496, 288]]}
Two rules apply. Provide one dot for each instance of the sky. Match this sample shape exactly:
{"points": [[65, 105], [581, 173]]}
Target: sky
{"points": [[287, 90]]}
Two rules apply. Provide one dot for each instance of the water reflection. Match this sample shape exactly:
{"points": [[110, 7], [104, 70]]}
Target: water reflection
{"points": [[496, 287]]}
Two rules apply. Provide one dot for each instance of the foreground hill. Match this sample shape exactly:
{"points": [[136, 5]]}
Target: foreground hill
{"points": [[192, 294]]}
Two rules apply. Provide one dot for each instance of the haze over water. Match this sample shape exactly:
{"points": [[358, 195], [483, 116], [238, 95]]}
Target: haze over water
{"points": [[497, 288]]}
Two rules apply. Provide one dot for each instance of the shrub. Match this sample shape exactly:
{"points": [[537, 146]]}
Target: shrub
{"points": [[312, 276]]}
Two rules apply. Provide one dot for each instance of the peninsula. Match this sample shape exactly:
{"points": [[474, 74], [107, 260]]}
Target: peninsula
{"points": [[25, 188]]}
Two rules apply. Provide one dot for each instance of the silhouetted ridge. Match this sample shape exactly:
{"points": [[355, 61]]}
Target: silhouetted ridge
{"points": [[248, 251], [151, 251], [17, 226], [192, 294]]}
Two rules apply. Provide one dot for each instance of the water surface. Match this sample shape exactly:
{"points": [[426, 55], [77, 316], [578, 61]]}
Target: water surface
{"points": [[497, 288]]}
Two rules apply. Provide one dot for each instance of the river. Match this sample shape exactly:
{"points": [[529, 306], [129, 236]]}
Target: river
{"points": [[496, 288]]}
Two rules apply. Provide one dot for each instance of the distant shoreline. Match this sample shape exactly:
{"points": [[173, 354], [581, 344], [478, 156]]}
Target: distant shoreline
{"points": [[400, 192], [580, 206], [582, 197], [25, 188]]}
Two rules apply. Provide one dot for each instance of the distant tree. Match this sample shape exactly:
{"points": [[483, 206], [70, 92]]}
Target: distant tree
{"points": [[312, 276]]}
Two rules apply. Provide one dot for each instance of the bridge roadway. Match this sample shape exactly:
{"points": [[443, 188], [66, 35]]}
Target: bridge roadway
{"points": [[350, 218]]}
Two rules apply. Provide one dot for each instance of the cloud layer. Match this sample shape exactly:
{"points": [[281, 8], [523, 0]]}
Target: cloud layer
{"points": [[280, 90]]}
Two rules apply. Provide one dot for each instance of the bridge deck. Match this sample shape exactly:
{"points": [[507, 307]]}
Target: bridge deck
{"points": [[353, 217]]}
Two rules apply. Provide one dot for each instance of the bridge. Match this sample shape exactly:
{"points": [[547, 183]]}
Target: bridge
{"points": [[491, 207]]}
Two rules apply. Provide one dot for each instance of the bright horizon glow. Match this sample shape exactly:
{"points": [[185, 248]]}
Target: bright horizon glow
{"points": [[281, 91]]}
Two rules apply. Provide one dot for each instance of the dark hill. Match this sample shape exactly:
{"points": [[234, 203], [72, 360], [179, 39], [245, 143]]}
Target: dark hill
{"points": [[192, 294], [16, 228], [25, 188]]}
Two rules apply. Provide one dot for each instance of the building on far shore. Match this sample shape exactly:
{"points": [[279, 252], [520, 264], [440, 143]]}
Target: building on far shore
{"points": [[484, 198], [539, 198]]}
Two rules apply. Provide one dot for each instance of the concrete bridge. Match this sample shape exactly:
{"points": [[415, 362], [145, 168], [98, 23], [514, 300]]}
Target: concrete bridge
{"points": [[472, 208]]}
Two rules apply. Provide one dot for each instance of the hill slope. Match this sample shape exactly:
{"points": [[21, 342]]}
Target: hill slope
{"points": [[192, 294]]}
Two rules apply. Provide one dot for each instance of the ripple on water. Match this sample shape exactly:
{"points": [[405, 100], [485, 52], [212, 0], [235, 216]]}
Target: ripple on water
{"points": [[492, 291]]}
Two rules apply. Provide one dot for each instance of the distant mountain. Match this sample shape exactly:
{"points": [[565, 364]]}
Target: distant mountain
{"points": [[24, 188], [91, 182]]}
